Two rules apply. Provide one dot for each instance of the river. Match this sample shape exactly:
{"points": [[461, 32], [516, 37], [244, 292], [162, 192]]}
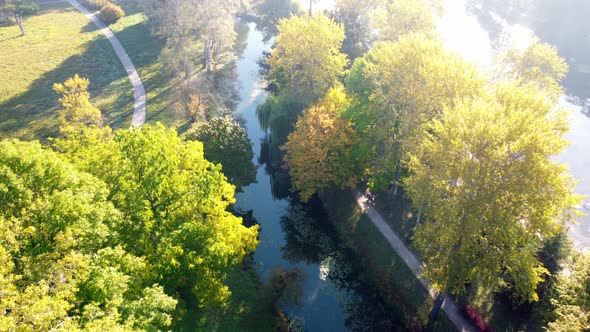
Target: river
{"points": [[329, 294]]}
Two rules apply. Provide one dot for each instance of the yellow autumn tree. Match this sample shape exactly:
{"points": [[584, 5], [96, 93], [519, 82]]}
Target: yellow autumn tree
{"points": [[483, 175], [319, 151], [307, 58], [76, 110]]}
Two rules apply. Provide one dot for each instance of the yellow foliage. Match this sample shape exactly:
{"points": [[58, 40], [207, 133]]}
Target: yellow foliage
{"points": [[319, 151], [77, 112]]}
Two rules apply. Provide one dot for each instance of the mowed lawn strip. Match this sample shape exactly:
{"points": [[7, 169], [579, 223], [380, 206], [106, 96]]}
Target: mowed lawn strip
{"points": [[59, 43]]}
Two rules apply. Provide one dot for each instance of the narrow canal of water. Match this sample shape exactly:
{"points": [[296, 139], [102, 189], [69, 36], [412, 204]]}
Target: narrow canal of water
{"points": [[330, 295]]}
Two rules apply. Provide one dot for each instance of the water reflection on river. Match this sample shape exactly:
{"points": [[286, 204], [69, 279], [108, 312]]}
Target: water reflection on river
{"points": [[331, 295]]}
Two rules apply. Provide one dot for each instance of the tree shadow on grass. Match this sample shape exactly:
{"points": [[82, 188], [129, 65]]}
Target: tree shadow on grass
{"points": [[32, 114]]}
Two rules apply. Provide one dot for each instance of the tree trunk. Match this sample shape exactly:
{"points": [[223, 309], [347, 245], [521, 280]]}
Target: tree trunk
{"points": [[419, 215], [21, 26], [310, 13], [208, 54], [438, 302], [398, 173]]}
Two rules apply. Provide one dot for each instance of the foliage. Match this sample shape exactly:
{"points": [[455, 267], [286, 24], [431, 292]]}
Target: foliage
{"points": [[270, 12], [538, 64], [76, 110], [355, 15], [306, 60], [483, 177], [400, 17], [111, 13], [96, 4], [58, 267], [400, 87], [319, 151], [198, 33], [18, 7], [226, 142], [175, 206], [572, 301]]}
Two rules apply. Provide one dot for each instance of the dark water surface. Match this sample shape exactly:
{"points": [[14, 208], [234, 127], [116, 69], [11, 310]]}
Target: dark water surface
{"points": [[299, 239]]}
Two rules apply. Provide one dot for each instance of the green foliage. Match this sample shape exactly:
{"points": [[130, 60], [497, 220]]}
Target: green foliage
{"points": [[319, 151], [57, 268], [401, 86], [175, 205], [111, 13], [399, 17], [76, 110], [483, 176], [572, 301], [19, 7], [96, 4], [226, 142], [269, 12], [306, 60], [538, 64]]}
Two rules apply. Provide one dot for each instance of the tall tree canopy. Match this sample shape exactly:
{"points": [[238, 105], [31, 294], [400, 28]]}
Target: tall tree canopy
{"points": [[319, 152], [483, 176], [306, 60], [538, 64], [572, 299], [401, 86], [227, 143], [174, 205], [395, 18], [198, 32], [60, 266]]}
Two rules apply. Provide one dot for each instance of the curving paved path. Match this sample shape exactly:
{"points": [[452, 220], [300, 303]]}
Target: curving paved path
{"points": [[138, 90], [449, 306]]}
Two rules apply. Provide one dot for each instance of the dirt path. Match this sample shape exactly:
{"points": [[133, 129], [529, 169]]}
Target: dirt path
{"points": [[449, 306], [138, 90]]}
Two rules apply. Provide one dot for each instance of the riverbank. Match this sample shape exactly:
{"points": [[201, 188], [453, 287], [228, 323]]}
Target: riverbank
{"points": [[383, 267]]}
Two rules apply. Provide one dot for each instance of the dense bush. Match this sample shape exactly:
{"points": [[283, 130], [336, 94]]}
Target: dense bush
{"points": [[110, 13], [96, 4], [475, 318]]}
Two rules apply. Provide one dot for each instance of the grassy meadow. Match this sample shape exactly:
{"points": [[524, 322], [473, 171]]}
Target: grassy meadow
{"points": [[61, 42]]}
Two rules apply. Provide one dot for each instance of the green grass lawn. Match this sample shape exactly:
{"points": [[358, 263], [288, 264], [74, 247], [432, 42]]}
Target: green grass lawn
{"points": [[61, 42], [144, 50]]}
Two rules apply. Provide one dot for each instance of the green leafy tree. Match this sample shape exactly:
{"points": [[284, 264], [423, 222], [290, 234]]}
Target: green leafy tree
{"points": [[306, 60], [175, 206], [399, 17], [319, 152], [538, 64], [76, 111], [58, 270], [482, 173], [17, 9], [401, 86], [226, 142], [572, 301], [269, 12]]}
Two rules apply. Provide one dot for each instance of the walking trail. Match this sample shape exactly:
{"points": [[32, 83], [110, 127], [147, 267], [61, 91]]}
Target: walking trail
{"points": [[138, 90], [449, 306]]}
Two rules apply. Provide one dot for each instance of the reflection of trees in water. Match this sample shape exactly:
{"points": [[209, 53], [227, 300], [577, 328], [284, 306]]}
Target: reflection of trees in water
{"points": [[310, 238]]}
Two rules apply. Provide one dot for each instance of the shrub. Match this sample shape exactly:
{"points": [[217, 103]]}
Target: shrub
{"points": [[475, 318], [96, 4], [110, 13]]}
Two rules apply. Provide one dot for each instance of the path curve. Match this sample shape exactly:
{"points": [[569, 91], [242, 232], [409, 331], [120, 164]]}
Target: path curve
{"points": [[138, 90], [449, 306]]}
